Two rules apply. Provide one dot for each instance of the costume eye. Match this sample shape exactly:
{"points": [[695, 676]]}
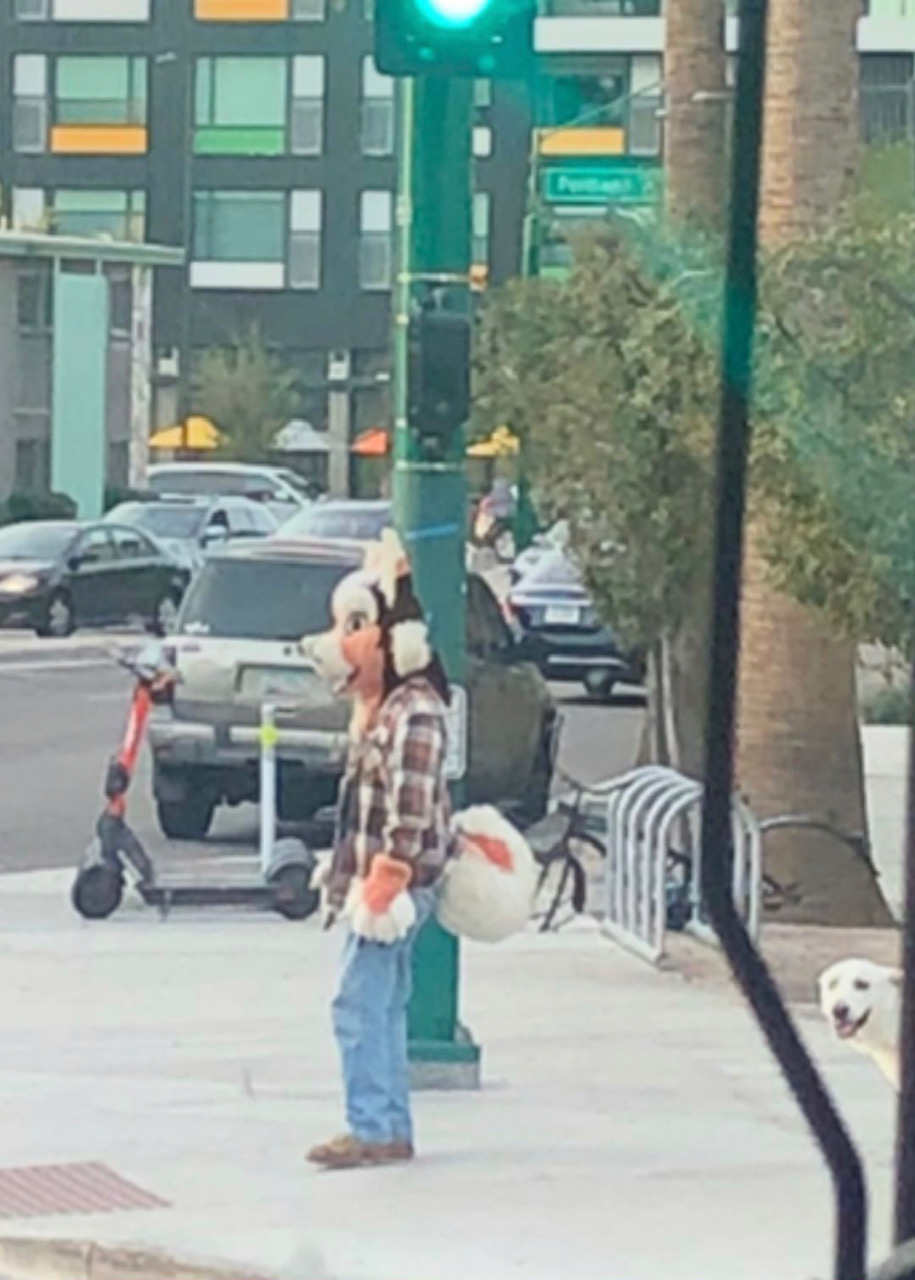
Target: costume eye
{"points": [[356, 622], [861, 985]]}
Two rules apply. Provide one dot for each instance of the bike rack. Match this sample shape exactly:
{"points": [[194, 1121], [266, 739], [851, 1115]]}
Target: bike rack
{"points": [[645, 809]]}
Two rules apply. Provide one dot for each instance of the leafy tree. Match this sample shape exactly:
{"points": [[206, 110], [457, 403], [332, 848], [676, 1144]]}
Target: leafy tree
{"points": [[248, 394], [612, 378]]}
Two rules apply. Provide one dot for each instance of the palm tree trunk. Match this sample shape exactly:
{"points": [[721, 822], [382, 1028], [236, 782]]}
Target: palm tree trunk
{"points": [[798, 744], [694, 94]]}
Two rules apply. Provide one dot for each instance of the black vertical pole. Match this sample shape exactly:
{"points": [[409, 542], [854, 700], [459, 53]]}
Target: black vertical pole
{"points": [[905, 1121], [717, 847]]}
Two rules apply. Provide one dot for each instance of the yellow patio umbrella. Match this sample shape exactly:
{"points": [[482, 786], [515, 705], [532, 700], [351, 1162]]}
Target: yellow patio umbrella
{"points": [[202, 436], [503, 443]]}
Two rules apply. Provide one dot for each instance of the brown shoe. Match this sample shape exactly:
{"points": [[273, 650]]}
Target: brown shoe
{"points": [[400, 1150], [347, 1152]]}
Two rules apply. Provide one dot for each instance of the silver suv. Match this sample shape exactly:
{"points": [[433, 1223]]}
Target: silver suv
{"points": [[236, 646]]}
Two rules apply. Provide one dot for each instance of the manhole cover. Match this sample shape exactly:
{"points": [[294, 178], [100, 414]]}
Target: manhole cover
{"points": [[42, 1190]]}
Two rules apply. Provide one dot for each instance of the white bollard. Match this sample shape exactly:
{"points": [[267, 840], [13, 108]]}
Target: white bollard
{"points": [[268, 741]]}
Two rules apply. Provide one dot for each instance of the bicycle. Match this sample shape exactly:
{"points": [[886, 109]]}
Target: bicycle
{"points": [[558, 842]]}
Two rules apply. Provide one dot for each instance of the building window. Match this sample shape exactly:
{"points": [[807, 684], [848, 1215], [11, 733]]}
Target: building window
{"points": [[32, 10], [100, 91], [240, 106], [128, 544], [307, 11], [33, 466], [375, 239], [257, 240], [377, 123], [30, 102], [307, 111], [482, 94], [481, 223], [120, 300], [305, 219], [239, 226], [590, 100], [82, 10], [33, 300], [118, 214]]}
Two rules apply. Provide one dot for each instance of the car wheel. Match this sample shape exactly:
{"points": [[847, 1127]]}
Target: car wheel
{"points": [[294, 897], [599, 685], [187, 819], [59, 617], [165, 616]]}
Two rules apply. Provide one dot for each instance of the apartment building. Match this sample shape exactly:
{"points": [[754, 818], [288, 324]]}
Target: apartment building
{"points": [[599, 109], [258, 132]]}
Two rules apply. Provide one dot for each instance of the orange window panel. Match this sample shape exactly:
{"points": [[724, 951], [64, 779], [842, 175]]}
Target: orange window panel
{"points": [[241, 10], [99, 139], [583, 142]]}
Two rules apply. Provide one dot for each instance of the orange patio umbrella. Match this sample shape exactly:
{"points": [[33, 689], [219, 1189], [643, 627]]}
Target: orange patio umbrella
{"points": [[372, 443]]}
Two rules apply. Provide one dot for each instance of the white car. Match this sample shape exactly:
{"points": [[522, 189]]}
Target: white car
{"points": [[279, 488]]}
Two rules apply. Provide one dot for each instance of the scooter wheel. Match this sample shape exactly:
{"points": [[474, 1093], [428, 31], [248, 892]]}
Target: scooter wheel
{"points": [[97, 892], [294, 897]]}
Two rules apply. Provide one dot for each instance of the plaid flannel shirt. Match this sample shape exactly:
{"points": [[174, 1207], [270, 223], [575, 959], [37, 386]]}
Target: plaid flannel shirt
{"points": [[393, 797]]}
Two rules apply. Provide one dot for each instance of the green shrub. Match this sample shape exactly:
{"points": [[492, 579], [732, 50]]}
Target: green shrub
{"points": [[889, 705], [21, 505]]}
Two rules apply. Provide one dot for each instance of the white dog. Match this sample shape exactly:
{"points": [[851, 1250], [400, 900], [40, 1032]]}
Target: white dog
{"points": [[861, 1001]]}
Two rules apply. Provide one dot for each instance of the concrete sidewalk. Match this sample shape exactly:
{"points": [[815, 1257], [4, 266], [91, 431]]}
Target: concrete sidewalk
{"points": [[631, 1127]]}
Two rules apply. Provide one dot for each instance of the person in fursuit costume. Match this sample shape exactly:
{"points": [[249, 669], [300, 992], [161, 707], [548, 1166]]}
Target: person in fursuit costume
{"points": [[399, 855]]}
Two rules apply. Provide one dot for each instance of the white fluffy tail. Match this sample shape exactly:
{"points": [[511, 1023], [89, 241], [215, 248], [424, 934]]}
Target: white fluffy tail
{"points": [[489, 883]]}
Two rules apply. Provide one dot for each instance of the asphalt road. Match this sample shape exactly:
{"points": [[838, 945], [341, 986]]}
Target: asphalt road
{"points": [[61, 715]]}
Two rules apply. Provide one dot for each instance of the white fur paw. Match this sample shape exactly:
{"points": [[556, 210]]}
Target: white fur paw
{"points": [[321, 873], [385, 926]]}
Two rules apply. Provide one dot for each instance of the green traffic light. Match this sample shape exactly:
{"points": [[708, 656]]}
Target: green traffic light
{"points": [[453, 13]]}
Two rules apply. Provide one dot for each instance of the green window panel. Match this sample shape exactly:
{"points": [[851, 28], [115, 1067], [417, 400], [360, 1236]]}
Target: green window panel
{"points": [[239, 226], [239, 140], [120, 214], [241, 92], [100, 90]]}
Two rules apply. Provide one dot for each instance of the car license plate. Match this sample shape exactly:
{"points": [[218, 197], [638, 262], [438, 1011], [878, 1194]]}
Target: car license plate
{"points": [[562, 615], [296, 683]]}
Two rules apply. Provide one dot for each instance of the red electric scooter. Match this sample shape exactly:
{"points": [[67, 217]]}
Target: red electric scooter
{"points": [[116, 854]]}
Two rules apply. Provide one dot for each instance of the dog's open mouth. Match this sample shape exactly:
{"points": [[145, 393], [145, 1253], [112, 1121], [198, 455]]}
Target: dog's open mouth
{"points": [[847, 1028]]}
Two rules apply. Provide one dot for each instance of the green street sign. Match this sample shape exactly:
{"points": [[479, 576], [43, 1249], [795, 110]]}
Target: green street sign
{"points": [[600, 185]]}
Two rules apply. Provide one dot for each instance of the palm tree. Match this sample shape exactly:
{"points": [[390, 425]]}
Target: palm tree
{"points": [[798, 744]]}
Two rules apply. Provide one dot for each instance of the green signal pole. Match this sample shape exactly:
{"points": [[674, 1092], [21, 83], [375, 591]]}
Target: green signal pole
{"points": [[434, 203]]}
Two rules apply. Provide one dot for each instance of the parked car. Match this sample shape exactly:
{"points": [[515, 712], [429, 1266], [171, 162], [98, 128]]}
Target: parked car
{"points": [[359, 520], [237, 645], [188, 525], [56, 575], [279, 488], [553, 611]]}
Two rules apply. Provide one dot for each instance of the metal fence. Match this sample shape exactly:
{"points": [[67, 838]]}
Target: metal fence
{"points": [[653, 816]]}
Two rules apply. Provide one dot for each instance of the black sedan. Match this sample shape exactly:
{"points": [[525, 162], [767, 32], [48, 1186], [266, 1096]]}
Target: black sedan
{"points": [[552, 609], [56, 575]]}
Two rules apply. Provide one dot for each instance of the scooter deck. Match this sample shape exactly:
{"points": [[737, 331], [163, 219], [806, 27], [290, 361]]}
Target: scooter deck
{"points": [[165, 895]]}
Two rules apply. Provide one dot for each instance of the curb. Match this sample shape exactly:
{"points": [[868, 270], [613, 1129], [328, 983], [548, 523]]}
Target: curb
{"points": [[34, 1258]]}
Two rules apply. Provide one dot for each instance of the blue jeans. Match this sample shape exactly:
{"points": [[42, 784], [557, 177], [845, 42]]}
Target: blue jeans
{"points": [[370, 1023]]}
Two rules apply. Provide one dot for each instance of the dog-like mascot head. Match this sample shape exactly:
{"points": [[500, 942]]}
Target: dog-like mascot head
{"points": [[379, 636]]}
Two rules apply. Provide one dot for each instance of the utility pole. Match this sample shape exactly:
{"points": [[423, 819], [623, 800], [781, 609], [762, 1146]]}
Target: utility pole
{"points": [[437, 48], [434, 203]]}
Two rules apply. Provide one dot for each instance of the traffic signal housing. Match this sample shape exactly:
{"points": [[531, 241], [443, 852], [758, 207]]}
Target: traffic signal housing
{"points": [[439, 345], [487, 39]]}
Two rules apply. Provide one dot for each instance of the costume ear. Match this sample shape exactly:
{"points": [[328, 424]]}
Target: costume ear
{"points": [[410, 651], [387, 559]]}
